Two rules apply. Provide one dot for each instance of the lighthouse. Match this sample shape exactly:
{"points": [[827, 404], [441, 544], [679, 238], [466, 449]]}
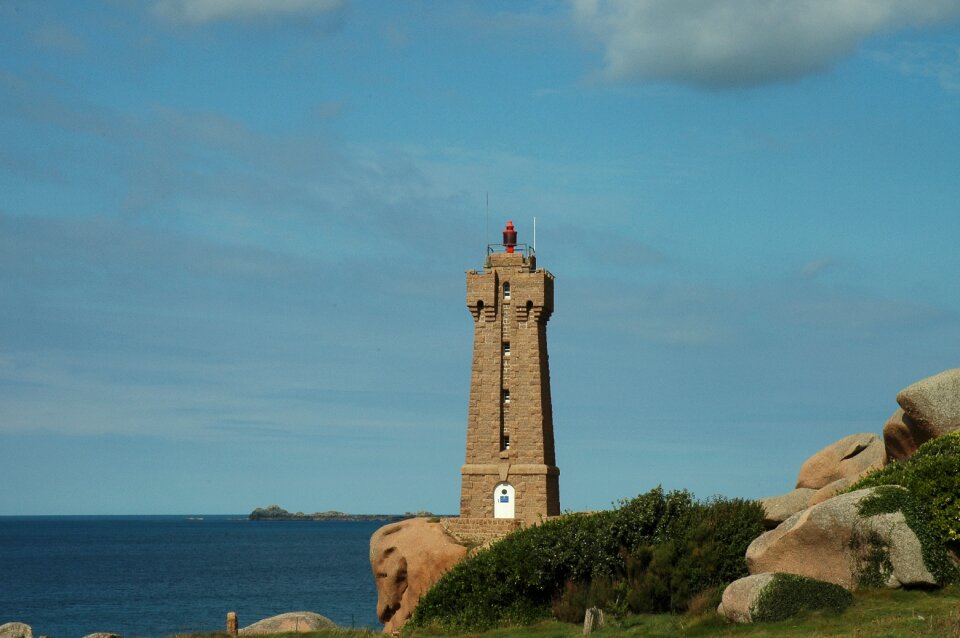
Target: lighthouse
{"points": [[510, 470]]}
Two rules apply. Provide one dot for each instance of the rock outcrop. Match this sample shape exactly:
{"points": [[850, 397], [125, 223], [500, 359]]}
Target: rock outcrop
{"points": [[777, 509], [851, 456], [833, 489], [778, 596], [407, 558], [103, 634], [822, 542], [290, 622], [933, 404], [15, 630], [902, 437], [740, 597]]}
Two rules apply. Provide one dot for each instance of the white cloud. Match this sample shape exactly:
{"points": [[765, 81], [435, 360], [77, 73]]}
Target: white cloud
{"points": [[733, 43], [205, 11]]}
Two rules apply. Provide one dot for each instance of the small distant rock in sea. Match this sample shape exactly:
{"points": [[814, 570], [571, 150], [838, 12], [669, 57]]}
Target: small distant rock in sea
{"points": [[277, 513], [293, 621], [103, 634]]}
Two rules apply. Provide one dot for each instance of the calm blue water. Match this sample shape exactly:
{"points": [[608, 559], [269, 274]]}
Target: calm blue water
{"points": [[158, 575]]}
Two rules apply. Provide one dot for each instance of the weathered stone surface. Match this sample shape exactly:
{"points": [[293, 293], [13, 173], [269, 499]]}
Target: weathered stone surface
{"points": [[850, 456], [902, 437], [779, 508], [103, 634], [778, 596], [480, 531], [817, 543], [407, 558], [830, 490], [15, 630], [292, 621], [740, 597], [906, 554], [933, 404]]}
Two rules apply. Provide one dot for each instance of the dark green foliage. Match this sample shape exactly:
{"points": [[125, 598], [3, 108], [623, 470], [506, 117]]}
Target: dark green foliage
{"points": [[789, 594], [873, 559], [576, 598], [886, 500], [704, 550], [706, 602], [652, 553], [712, 551], [933, 476], [514, 581]]}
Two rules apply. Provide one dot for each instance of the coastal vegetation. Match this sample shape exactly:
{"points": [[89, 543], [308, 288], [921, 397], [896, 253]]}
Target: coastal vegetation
{"points": [[665, 552], [789, 595], [658, 552], [932, 476], [875, 613], [889, 499]]}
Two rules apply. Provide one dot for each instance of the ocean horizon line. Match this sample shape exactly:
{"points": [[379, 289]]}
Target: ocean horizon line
{"points": [[244, 516]]}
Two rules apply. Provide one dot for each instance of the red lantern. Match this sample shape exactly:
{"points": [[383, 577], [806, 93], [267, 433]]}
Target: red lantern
{"points": [[509, 237]]}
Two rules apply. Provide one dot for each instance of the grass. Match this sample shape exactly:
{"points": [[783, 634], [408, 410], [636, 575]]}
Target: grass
{"points": [[338, 632], [876, 613]]}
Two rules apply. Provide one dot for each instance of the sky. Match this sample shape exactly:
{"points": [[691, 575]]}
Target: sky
{"points": [[233, 237]]}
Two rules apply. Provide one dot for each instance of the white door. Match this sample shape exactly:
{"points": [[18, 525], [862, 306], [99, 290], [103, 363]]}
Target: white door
{"points": [[503, 501]]}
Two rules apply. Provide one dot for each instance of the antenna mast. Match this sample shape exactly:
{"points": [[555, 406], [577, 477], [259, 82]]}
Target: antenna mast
{"points": [[486, 236]]}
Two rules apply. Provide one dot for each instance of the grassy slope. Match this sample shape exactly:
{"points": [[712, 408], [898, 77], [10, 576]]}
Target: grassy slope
{"points": [[874, 614]]}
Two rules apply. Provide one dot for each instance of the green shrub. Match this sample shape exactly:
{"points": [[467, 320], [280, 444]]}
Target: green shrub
{"points": [[714, 547], [576, 598], [652, 553], [872, 556], [789, 594], [513, 581], [886, 500], [706, 602], [933, 476], [704, 550]]}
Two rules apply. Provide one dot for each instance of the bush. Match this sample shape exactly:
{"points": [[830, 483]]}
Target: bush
{"points": [[886, 500], [872, 558], [513, 581], [652, 553], [706, 549], [933, 476], [576, 598], [789, 594]]}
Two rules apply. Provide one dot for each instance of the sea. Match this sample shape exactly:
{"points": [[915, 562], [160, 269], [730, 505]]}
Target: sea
{"points": [[153, 576]]}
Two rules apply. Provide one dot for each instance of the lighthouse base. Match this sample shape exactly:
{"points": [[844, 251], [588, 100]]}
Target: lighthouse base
{"points": [[528, 492]]}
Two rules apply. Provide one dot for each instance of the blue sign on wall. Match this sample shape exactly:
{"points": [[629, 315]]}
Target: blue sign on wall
{"points": [[504, 499]]}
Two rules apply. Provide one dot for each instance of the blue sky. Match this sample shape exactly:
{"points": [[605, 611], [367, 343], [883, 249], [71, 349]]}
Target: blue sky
{"points": [[233, 237]]}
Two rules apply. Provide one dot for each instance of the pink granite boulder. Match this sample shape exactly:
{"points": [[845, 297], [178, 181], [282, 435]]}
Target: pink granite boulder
{"points": [[854, 455], [819, 543], [407, 559]]}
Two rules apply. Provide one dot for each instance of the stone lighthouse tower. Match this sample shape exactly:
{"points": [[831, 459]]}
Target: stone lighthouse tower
{"points": [[510, 470]]}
